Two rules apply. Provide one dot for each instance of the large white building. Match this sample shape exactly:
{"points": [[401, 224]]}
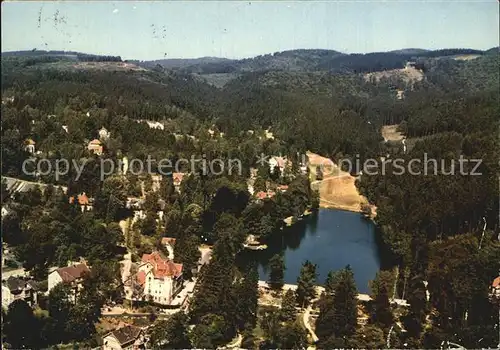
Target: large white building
{"points": [[160, 278]]}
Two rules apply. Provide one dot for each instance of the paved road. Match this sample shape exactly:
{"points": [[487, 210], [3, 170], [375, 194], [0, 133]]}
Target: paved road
{"points": [[126, 266], [15, 273]]}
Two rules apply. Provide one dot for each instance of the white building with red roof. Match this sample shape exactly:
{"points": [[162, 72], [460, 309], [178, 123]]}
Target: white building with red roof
{"points": [[177, 180], [95, 146], [160, 278]]}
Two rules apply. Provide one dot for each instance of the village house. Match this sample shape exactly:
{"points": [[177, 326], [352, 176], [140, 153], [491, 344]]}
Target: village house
{"points": [[72, 274], [29, 146], [495, 288], [95, 146], [152, 124], [280, 162], [6, 100], [15, 288], [125, 337], [177, 179], [160, 278], [84, 202], [137, 206], [104, 134], [261, 195], [5, 211], [282, 188], [169, 242]]}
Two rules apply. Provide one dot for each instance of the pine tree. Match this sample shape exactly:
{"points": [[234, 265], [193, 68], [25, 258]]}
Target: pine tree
{"points": [[277, 272], [247, 295], [326, 318], [306, 289], [382, 313], [345, 304], [288, 311]]}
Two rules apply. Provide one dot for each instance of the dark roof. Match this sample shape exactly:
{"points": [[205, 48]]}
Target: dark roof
{"points": [[14, 283], [127, 334], [71, 273], [17, 284]]}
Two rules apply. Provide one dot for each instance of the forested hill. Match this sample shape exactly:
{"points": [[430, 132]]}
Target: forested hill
{"points": [[336, 114], [322, 101], [313, 60]]}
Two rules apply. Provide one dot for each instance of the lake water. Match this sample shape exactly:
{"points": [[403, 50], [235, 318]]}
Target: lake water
{"points": [[331, 239]]}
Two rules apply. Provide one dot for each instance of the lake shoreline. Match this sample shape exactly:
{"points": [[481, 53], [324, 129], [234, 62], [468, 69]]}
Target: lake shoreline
{"points": [[330, 238]]}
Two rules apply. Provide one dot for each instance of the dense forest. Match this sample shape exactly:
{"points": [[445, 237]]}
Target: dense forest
{"points": [[438, 229]]}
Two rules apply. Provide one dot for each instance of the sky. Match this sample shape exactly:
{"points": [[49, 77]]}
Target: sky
{"points": [[236, 29]]}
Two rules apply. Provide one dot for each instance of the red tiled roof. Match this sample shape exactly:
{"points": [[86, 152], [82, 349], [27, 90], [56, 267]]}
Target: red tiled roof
{"points": [[177, 177], [261, 195], [71, 273], [141, 277], [264, 195], [283, 187], [82, 199], [496, 282], [95, 142], [168, 240], [162, 267]]}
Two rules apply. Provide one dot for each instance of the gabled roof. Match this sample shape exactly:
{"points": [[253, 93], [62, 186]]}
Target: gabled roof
{"points": [[126, 335], [162, 267], [95, 142], [177, 177], [261, 195], [15, 284], [29, 142], [71, 273], [496, 282], [281, 161], [82, 199], [168, 240]]}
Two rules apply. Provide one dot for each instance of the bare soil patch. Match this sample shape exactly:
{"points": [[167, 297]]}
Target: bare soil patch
{"points": [[337, 190], [391, 133]]}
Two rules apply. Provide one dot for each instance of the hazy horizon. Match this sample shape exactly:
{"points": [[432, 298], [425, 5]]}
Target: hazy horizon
{"points": [[234, 30]]}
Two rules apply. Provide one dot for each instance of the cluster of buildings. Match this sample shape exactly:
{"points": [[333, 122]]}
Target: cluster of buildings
{"points": [[20, 288], [25, 288]]}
